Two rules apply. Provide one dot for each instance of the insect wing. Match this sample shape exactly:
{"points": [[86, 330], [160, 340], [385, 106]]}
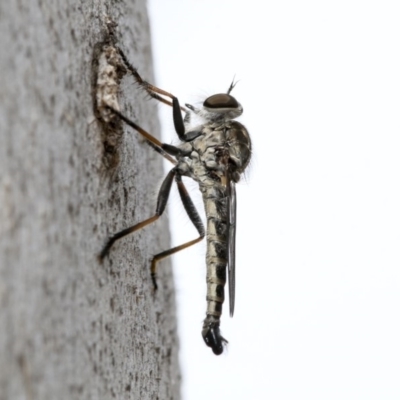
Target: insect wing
{"points": [[231, 192]]}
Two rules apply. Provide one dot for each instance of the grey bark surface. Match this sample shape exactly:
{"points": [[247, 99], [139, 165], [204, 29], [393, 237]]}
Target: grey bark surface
{"points": [[71, 328]]}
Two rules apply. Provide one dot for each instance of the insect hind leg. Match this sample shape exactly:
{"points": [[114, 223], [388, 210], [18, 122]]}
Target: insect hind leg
{"points": [[162, 199], [194, 217]]}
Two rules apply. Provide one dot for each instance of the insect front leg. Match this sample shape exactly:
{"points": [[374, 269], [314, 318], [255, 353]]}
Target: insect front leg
{"points": [[180, 122]]}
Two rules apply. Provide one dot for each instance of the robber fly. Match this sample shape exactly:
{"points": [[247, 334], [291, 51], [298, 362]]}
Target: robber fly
{"points": [[214, 154]]}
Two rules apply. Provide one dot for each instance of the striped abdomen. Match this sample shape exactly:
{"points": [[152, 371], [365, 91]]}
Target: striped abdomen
{"points": [[216, 212]]}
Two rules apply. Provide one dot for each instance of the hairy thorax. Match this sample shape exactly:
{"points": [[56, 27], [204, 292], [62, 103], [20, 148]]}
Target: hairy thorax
{"points": [[207, 156]]}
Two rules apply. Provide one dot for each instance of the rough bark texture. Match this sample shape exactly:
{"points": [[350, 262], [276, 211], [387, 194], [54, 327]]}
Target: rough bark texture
{"points": [[71, 328]]}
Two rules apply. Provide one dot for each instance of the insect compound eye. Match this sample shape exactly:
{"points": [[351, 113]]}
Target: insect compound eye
{"points": [[221, 100]]}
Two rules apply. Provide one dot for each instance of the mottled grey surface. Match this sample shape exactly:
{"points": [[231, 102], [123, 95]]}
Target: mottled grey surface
{"points": [[69, 327]]}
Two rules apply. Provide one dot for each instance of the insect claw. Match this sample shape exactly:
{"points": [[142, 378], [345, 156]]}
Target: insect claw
{"points": [[153, 279], [106, 249]]}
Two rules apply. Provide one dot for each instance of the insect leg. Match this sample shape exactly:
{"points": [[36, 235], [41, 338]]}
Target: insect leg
{"points": [[151, 140], [162, 199], [196, 220], [157, 93], [151, 90]]}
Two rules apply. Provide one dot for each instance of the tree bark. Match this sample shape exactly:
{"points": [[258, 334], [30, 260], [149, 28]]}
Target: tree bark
{"points": [[71, 328]]}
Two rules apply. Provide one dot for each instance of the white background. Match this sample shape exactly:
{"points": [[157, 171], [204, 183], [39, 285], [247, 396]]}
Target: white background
{"points": [[318, 261]]}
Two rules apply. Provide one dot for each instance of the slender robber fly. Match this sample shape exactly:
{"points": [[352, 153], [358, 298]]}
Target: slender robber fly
{"points": [[214, 154]]}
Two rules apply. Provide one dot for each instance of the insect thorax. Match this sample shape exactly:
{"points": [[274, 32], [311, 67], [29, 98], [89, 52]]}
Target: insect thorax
{"points": [[221, 145]]}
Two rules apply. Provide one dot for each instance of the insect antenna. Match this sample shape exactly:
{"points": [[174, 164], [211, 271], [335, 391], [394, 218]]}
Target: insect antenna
{"points": [[233, 84]]}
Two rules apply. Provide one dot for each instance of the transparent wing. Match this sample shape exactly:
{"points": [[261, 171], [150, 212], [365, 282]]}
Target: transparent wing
{"points": [[231, 194]]}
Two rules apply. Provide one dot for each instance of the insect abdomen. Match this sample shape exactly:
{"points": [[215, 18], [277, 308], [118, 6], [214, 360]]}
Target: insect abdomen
{"points": [[215, 207]]}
